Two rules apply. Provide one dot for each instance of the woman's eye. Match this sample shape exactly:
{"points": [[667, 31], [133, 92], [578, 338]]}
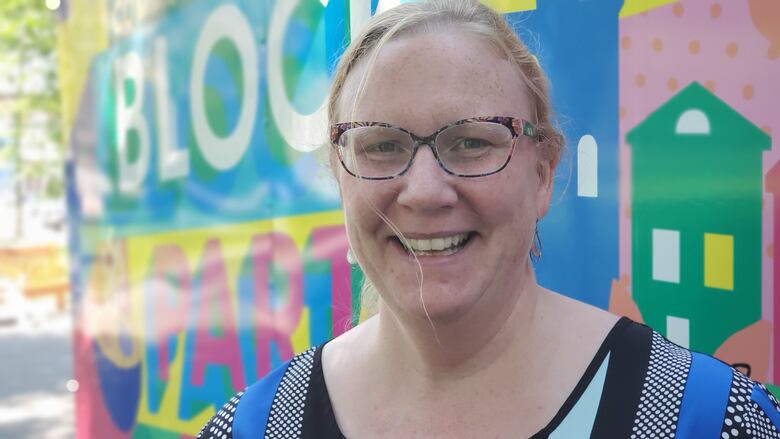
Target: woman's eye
{"points": [[472, 144], [385, 147]]}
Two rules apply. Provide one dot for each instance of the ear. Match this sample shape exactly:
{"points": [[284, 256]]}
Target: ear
{"points": [[544, 190]]}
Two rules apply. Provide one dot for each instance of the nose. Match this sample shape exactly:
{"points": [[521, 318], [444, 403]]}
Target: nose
{"points": [[426, 185]]}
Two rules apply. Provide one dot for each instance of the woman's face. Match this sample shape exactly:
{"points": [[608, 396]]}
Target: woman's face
{"points": [[422, 83]]}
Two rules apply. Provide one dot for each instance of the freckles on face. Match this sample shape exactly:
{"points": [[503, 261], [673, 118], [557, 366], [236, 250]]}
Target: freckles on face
{"points": [[422, 83]]}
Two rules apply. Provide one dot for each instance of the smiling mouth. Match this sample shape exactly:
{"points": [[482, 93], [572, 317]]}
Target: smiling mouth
{"points": [[443, 246]]}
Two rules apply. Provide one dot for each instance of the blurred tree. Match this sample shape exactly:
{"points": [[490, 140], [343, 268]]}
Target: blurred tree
{"points": [[30, 98]]}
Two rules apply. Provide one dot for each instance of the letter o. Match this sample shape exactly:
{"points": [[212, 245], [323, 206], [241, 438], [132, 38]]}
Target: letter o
{"points": [[226, 21], [302, 132]]}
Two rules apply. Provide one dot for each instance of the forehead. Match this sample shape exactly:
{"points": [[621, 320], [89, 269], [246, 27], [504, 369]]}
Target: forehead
{"points": [[427, 80]]}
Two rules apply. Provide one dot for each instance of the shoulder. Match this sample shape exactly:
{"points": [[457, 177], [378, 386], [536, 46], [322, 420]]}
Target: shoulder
{"points": [[273, 402], [707, 397]]}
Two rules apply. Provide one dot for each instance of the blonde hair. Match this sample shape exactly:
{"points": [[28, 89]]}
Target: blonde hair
{"points": [[432, 15]]}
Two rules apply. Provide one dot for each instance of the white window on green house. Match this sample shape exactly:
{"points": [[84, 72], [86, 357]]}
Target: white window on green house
{"points": [[587, 167], [666, 255], [678, 330], [693, 122], [719, 261]]}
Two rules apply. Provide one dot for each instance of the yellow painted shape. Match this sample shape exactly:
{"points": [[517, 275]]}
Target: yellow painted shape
{"points": [[506, 6], [79, 39], [300, 339], [719, 261], [105, 304], [634, 7], [167, 418], [235, 241]]}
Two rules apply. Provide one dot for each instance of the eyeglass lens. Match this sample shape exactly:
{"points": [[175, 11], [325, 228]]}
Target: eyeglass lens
{"points": [[474, 148]]}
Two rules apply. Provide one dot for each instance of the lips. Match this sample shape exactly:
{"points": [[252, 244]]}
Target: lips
{"points": [[439, 246]]}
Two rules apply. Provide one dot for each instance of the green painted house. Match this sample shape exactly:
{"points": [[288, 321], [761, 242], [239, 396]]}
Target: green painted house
{"points": [[696, 219]]}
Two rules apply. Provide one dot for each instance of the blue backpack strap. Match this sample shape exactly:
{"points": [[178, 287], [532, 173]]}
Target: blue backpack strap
{"points": [[285, 417], [705, 397], [768, 403], [252, 414], [689, 395], [752, 412], [246, 413], [721, 402]]}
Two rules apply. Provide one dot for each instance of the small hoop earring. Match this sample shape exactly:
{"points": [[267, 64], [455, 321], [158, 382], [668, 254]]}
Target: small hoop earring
{"points": [[536, 247], [351, 257]]}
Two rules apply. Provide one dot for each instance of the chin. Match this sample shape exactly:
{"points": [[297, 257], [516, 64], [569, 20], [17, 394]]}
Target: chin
{"points": [[442, 305]]}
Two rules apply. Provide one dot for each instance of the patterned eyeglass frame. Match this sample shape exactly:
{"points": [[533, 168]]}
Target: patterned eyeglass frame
{"points": [[517, 126]]}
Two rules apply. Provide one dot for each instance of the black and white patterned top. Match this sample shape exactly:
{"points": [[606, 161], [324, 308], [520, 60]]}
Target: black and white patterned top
{"points": [[639, 385]]}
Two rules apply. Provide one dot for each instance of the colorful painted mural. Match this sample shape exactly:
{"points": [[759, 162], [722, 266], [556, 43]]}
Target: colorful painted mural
{"points": [[207, 243], [696, 229], [200, 262], [698, 109]]}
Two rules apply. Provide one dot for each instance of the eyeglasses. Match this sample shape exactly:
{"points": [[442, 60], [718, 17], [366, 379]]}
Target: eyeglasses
{"points": [[473, 147]]}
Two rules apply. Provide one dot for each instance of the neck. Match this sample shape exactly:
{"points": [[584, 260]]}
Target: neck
{"points": [[496, 332]]}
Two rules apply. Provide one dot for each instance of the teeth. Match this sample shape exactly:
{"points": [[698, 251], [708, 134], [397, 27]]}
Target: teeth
{"points": [[436, 244]]}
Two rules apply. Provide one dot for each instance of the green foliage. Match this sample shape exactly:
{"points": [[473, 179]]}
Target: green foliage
{"points": [[28, 41], [27, 26]]}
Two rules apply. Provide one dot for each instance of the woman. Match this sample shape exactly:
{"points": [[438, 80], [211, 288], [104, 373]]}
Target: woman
{"points": [[444, 151]]}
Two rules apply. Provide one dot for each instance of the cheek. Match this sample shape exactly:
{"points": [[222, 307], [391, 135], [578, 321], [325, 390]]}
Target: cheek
{"points": [[517, 191], [360, 205]]}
